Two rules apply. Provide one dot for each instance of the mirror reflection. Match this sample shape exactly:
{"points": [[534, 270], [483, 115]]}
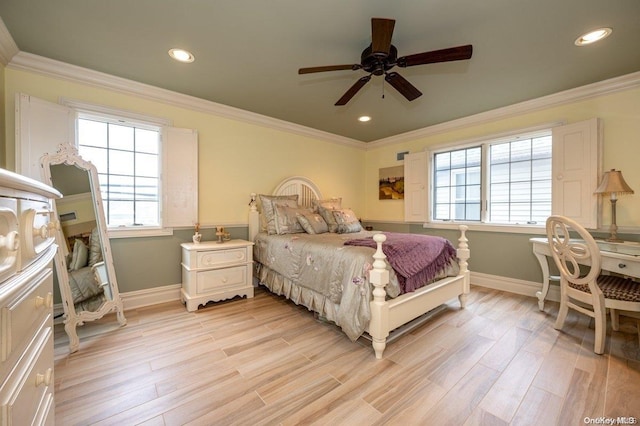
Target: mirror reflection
{"points": [[83, 262], [84, 259]]}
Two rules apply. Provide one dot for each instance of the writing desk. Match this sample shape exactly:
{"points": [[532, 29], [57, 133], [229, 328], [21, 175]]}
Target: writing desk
{"points": [[622, 258]]}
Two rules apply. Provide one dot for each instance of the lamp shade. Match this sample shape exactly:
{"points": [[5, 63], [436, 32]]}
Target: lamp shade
{"points": [[613, 183]]}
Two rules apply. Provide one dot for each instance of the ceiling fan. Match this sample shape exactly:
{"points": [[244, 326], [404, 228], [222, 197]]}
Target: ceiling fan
{"points": [[381, 56]]}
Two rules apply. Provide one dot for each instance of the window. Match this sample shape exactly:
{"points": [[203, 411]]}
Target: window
{"points": [[457, 184], [148, 169], [520, 180], [127, 157], [517, 187]]}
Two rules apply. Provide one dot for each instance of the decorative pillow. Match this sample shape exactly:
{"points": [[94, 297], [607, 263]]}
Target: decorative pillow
{"points": [[331, 204], [312, 223], [268, 211], [95, 248], [327, 215], [347, 221], [286, 219], [79, 256]]}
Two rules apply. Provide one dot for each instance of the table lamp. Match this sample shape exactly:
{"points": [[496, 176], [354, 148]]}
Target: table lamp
{"points": [[613, 183]]}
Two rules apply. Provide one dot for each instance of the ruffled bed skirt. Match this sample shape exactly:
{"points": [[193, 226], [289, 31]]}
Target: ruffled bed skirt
{"points": [[282, 286]]}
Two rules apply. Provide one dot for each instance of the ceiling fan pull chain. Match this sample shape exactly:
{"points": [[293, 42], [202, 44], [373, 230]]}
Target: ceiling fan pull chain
{"points": [[383, 81]]}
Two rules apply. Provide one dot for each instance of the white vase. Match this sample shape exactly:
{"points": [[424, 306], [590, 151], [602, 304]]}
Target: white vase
{"points": [[197, 237]]}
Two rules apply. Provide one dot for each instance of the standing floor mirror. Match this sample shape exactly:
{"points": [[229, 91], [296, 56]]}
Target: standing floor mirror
{"points": [[84, 264]]}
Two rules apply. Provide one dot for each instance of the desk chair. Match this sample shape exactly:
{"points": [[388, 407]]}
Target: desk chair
{"points": [[590, 293]]}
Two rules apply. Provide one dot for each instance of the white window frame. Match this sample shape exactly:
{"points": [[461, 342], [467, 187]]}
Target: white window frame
{"points": [[166, 225], [585, 135], [485, 145], [116, 120]]}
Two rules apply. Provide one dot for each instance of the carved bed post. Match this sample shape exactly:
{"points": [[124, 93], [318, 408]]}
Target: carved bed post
{"points": [[463, 257], [379, 277]]}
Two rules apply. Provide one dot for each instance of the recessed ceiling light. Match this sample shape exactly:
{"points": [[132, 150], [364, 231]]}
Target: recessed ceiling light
{"points": [[593, 36], [181, 55], [364, 118]]}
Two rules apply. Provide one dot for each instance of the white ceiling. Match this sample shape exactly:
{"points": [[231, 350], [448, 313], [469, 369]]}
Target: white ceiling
{"points": [[248, 52]]}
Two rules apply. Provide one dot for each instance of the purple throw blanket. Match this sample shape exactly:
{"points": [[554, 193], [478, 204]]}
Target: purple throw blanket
{"points": [[417, 259]]}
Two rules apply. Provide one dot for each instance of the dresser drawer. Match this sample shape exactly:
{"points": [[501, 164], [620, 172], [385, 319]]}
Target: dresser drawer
{"points": [[29, 391], [221, 258], [222, 279], [25, 313]]}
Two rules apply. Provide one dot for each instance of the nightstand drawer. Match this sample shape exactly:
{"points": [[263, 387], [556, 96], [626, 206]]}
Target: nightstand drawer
{"points": [[221, 279], [212, 259], [213, 272]]}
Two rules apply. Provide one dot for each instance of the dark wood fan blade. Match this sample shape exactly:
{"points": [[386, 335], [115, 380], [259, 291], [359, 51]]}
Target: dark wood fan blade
{"points": [[353, 90], [445, 55], [399, 83], [381, 33], [329, 68]]}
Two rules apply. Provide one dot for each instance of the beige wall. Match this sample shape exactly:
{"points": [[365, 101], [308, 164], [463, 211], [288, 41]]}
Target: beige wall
{"points": [[620, 114], [235, 158]]}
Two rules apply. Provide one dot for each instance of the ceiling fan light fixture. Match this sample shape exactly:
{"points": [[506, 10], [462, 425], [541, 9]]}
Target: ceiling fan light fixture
{"points": [[593, 36], [181, 55], [364, 118]]}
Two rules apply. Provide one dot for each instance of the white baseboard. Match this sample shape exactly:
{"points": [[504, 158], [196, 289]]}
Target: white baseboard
{"points": [[137, 299], [151, 296], [513, 285]]}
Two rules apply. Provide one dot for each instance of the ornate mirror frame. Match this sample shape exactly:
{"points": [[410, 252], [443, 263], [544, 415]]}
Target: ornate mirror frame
{"points": [[67, 154]]}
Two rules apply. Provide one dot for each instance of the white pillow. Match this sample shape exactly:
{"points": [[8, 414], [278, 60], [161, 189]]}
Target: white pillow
{"points": [[80, 256]]}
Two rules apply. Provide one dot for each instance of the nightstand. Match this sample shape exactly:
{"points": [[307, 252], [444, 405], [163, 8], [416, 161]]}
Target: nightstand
{"points": [[214, 271]]}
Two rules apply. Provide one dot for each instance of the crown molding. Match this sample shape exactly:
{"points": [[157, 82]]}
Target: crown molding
{"points": [[600, 88], [60, 70], [51, 68], [8, 47]]}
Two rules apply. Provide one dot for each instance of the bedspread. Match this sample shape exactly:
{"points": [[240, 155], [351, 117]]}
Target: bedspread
{"points": [[87, 294], [321, 273], [416, 258]]}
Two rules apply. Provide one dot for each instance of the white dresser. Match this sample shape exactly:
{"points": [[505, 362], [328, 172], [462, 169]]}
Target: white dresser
{"points": [[213, 272], [27, 235]]}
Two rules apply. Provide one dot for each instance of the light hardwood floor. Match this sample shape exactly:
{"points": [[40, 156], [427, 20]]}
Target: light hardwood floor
{"points": [[267, 361]]}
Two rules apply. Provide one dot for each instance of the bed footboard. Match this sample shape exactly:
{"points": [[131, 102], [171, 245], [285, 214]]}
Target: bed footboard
{"points": [[387, 315]]}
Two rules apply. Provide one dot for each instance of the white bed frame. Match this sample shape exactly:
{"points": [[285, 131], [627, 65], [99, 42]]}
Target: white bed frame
{"points": [[386, 315]]}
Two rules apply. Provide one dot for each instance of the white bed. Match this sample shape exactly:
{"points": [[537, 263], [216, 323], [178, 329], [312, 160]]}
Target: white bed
{"points": [[386, 313]]}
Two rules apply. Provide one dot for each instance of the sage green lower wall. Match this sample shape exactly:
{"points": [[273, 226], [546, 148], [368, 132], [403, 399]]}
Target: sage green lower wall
{"points": [[144, 263]]}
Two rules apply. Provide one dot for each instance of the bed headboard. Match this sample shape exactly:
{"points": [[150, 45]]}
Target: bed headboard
{"points": [[306, 190]]}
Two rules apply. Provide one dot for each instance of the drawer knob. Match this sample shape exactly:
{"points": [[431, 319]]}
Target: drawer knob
{"points": [[224, 279], [621, 265], [44, 378], [46, 301], [43, 232], [10, 241]]}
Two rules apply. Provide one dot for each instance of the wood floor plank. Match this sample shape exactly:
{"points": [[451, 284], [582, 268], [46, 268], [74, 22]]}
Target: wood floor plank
{"points": [[458, 404], [504, 398], [538, 407], [268, 361]]}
